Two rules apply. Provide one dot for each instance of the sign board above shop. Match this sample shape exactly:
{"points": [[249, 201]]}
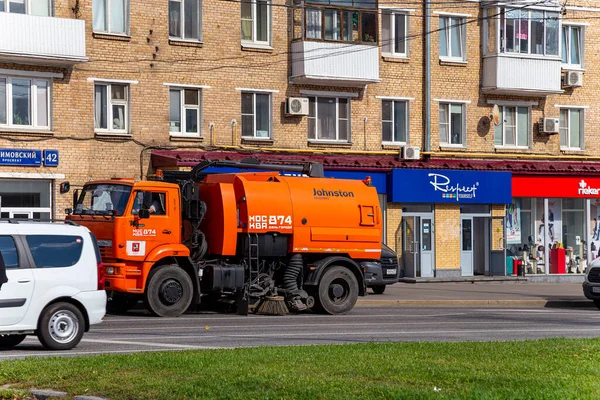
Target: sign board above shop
{"points": [[449, 186], [29, 158], [556, 187]]}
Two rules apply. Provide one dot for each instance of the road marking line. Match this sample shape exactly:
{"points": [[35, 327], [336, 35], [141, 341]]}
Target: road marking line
{"points": [[181, 346]]}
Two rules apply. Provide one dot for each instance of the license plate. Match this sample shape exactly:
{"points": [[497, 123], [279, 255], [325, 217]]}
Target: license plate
{"points": [[393, 272], [596, 289]]}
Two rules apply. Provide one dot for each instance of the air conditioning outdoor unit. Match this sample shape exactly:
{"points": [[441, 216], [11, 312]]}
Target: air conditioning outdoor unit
{"points": [[549, 125], [297, 106], [410, 153], [573, 79]]}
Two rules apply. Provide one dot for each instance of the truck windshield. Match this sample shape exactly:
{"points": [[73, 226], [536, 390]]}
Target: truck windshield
{"points": [[103, 199]]}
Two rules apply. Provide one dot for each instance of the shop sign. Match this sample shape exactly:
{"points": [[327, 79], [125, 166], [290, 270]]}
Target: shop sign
{"points": [[450, 186], [557, 186], [29, 158]]}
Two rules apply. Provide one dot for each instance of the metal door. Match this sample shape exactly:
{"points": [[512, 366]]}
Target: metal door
{"points": [[410, 247], [466, 246], [426, 240]]}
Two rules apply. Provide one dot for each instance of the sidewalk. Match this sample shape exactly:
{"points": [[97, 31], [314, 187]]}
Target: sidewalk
{"points": [[499, 294]]}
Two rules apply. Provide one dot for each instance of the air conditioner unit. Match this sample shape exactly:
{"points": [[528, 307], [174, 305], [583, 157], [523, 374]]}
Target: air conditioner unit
{"points": [[297, 106], [410, 153], [573, 79], [549, 125]]}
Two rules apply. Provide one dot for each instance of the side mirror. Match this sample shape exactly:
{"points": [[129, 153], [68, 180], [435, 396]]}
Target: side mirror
{"points": [[144, 214], [68, 211], [65, 187], [147, 200]]}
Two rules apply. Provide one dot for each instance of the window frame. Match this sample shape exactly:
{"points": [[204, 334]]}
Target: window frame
{"points": [[581, 29], [462, 40], [33, 103], [270, 119], [516, 126], [182, 22], [315, 119], [391, 14], [182, 110], [109, 112], [323, 8], [502, 36], [107, 31], [253, 12], [406, 122], [568, 128], [449, 143], [29, 7]]}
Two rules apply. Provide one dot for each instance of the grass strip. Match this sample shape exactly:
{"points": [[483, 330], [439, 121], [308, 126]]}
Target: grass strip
{"points": [[540, 369]]}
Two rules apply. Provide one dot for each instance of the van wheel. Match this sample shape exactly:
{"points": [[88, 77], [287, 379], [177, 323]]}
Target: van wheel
{"points": [[120, 303], [597, 303], [169, 291], [379, 289], [61, 326], [337, 292], [10, 341]]}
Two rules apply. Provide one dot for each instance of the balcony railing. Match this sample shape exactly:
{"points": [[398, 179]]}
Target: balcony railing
{"points": [[38, 40], [334, 64]]}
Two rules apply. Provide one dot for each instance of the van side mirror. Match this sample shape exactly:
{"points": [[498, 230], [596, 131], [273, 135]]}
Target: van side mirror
{"points": [[144, 214], [65, 187]]}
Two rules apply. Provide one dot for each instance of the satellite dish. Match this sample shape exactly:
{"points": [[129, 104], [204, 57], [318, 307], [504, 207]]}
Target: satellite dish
{"points": [[496, 115]]}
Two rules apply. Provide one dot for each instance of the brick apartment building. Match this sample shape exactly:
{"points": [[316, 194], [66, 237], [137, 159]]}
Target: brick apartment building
{"points": [[441, 104]]}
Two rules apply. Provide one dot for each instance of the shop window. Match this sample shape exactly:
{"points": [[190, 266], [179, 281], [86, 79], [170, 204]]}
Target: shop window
{"points": [[25, 199], [571, 128], [514, 128], [573, 223]]}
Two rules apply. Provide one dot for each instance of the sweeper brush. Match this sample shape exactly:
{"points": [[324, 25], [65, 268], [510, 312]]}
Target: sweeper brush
{"points": [[272, 305]]}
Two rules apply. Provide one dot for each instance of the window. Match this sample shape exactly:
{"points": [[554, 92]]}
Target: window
{"points": [[340, 25], [256, 115], [107, 199], [571, 128], [394, 32], [452, 124], [156, 203], [110, 16], [513, 130], [256, 21], [55, 251], [32, 7], [394, 121], [572, 46], [8, 249], [452, 38], [24, 103], [111, 108], [329, 118], [184, 113], [529, 31], [185, 19]]}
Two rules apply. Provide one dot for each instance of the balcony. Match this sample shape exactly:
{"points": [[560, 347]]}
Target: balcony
{"points": [[521, 75], [29, 39], [334, 64]]}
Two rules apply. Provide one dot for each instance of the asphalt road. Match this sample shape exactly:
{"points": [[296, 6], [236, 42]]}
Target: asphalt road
{"points": [[141, 332]]}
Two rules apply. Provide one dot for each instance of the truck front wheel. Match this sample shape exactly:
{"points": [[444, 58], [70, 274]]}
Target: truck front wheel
{"points": [[169, 291], [337, 292]]}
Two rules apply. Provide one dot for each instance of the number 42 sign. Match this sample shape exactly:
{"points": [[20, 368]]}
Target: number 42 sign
{"points": [[51, 158]]}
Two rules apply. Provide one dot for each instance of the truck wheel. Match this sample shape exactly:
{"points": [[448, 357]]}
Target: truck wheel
{"points": [[61, 326], [379, 289], [120, 303], [10, 341], [169, 291], [597, 303], [337, 292]]}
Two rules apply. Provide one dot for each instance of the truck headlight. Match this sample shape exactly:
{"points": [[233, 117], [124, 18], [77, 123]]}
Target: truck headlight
{"points": [[110, 270]]}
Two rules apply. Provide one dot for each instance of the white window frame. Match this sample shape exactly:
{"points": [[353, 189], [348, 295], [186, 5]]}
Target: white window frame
{"points": [[502, 125], [391, 14], [463, 140], [33, 100], [254, 93], [182, 22], [502, 27], [253, 41], [581, 29], [109, 111], [107, 19], [314, 120], [182, 110], [29, 7], [462, 21], [406, 122], [568, 128]]}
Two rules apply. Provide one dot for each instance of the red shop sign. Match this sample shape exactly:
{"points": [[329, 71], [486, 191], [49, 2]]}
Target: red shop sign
{"points": [[556, 186]]}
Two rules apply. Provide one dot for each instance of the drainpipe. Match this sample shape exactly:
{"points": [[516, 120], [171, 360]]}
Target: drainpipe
{"points": [[427, 60]]}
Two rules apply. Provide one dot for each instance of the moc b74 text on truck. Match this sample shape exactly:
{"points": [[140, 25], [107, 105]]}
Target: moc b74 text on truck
{"points": [[238, 238]]}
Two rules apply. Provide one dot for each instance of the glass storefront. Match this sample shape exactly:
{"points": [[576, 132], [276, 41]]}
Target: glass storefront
{"points": [[25, 199]]}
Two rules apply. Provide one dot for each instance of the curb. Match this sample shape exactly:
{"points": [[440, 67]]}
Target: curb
{"points": [[478, 303]]}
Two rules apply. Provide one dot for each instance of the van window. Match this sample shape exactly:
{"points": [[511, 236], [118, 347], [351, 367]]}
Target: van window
{"points": [[55, 251], [9, 252]]}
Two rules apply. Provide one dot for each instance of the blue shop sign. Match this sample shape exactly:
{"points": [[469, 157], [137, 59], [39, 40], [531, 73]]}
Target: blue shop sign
{"points": [[450, 186], [21, 157]]}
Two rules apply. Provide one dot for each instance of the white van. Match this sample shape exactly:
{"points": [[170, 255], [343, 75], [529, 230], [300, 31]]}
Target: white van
{"points": [[51, 283]]}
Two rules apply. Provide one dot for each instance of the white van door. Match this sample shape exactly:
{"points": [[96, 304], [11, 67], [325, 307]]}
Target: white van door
{"points": [[15, 295]]}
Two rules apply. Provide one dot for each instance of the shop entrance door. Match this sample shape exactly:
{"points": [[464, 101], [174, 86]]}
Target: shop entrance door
{"points": [[417, 246], [466, 246], [475, 245]]}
